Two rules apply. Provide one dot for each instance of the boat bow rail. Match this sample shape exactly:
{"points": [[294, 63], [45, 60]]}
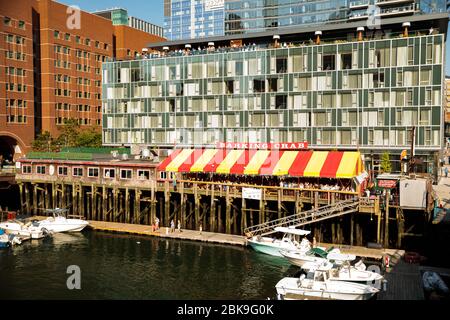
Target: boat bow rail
{"points": [[303, 218]]}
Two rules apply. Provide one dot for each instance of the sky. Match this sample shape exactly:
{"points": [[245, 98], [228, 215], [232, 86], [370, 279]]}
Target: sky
{"points": [[153, 12], [149, 10]]}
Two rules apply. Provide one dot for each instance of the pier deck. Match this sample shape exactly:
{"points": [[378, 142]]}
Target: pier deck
{"points": [[183, 235], [404, 281]]}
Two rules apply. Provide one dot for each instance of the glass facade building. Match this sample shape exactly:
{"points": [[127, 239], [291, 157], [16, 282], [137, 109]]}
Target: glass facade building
{"points": [[356, 94], [193, 19], [247, 16]]}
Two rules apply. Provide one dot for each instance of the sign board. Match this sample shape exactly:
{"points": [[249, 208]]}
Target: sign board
{"points": [[214, 4], [252, 193], [264, 146], [389, 184]]}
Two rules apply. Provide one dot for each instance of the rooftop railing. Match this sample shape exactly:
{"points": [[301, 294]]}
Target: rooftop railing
{"points": [[283, 45]]}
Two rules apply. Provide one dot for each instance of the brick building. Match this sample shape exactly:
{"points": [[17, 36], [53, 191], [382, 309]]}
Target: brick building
{"points": [[50, 61]]}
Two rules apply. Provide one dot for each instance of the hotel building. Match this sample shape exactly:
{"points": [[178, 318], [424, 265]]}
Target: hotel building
{"points": [[341, 87]]}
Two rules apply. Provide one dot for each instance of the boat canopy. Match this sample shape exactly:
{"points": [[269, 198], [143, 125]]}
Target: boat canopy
{"points": [[298, 232], [321, 164]]}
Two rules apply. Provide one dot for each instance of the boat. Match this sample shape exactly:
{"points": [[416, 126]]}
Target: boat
{"points": [[273, 246], [59, 223], [313, 257], [346, 272], [30, 230], [318, 285], [299, 258], [8, 240]]}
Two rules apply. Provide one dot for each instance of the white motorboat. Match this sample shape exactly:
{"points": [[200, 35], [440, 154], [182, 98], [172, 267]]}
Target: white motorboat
{"points": [[59, 223], [347, 272], [318, 285], [28, 230], [299, 258], [273, 246]]}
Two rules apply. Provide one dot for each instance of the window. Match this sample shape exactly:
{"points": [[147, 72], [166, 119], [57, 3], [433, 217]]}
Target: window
{"points": [[26, 169], [77, 39], [67, 37], [163, 175], [97, 44], [7, 21], [9, 38], [109, 173], [56, 34], [40, 169], [93, 172], [22, 25], [77, 172], [87, 42], [62, 171], [143, 174], [125, 174], [346, 61], [329, 62]]}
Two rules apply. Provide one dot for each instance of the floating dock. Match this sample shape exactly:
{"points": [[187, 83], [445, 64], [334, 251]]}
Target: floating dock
{"points": [[163, 233]]}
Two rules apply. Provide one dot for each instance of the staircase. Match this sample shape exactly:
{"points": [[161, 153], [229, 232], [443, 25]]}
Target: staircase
{"points": [[303, 218]]}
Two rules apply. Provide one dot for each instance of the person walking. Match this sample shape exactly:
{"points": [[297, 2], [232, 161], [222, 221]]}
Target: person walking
{"points": [[172, 226], [446, 172]]}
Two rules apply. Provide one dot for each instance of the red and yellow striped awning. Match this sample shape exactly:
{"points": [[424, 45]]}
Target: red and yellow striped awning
{"points": [[323, 164]]}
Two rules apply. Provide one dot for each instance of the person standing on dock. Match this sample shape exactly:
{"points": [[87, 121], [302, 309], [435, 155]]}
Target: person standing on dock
{"points": [[446, 172], [156, 223], [201, 228], [172, 226], [179, 226]]}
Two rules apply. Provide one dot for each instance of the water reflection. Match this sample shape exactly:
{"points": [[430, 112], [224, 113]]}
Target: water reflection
{"points": [[117, 267]]}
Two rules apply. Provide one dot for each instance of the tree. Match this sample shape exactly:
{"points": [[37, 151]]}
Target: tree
{"points": [[44, 143], [69, 133], [89, 138], [386, 165]]}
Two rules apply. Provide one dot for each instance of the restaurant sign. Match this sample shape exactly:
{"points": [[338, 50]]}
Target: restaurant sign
{"points": [[389, 184], [264, 146], [251, 193]]}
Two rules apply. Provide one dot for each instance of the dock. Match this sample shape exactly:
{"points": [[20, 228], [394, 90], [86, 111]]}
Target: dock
{"points": [[164, 232], [404, 281]]}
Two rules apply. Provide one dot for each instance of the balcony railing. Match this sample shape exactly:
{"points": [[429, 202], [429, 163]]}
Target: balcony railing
{"points": [[359, 4], [389, 2]]}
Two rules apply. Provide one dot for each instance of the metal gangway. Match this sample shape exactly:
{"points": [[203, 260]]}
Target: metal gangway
{"points": [[300, 219]]}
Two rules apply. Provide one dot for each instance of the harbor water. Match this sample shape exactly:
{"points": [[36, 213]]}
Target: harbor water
{"points": [[117, 266]]}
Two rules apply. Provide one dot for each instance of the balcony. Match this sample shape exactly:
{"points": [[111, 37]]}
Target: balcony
{"points": [[391, 2], [359, 4], [387, 12], [358, 15]]}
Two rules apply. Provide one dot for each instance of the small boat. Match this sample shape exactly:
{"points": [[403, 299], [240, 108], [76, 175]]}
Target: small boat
{"points": [[8, 240], [313, 257], [273, 246], [349, 273], [59, 223], [299, 258], [30, 230], [318, 285]]}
